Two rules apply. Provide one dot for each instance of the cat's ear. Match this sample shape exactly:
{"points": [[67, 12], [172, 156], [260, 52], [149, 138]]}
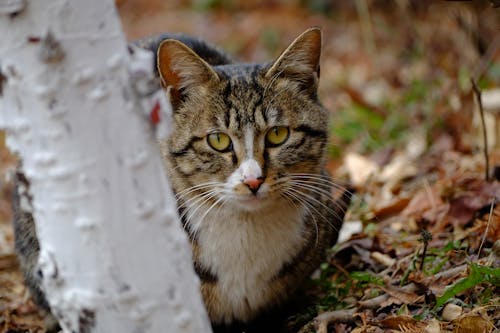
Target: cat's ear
{"points": [[181, 69], [300, 61]]}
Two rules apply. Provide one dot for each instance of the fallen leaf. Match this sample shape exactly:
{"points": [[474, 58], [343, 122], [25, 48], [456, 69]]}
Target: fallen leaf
{"points": [[472, 324], [360, 168], [475, 194], [399, 168], [383, 259], [451, 312], [491, 99], [394, 206], [399, 322], [433, 326], [348, 229], [424, 200], [405, 296]]}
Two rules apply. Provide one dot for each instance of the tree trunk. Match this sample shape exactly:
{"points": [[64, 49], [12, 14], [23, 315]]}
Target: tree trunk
{"points": [[114, 257]]}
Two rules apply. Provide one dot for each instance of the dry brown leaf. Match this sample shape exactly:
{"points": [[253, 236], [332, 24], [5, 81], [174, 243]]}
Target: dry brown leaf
{"points": [[472, 324], [390, 301], [475, 194], [405, 322], [425, 199], [403, 295], [394, 206], [463, 208]]}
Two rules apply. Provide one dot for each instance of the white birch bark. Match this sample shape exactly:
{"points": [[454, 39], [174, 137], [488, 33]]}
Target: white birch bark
{"points": [[113, 254]]}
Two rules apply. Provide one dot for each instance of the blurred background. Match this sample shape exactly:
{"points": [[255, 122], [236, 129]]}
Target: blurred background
{"points": [[387, 66], [395, 74]]}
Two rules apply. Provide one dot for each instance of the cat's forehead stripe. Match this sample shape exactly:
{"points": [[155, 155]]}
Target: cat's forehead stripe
{"points": [[244, 100], [249, 138]]}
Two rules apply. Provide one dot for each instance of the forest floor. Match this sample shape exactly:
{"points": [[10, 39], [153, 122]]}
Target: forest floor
{"points": [[424, 252]]}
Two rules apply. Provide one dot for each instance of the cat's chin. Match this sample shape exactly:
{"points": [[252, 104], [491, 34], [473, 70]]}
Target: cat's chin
{"points": [[251, 202]]}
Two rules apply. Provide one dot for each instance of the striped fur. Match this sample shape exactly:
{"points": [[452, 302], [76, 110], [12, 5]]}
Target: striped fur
{"points": [[251, 250]]}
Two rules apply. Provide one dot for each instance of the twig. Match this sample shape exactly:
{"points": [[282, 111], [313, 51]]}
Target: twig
{"points": [[493, 202], [426, 238], [477, 92], [450, 272], [376, 302], [322, 320], [486, 59], [320, 323]]}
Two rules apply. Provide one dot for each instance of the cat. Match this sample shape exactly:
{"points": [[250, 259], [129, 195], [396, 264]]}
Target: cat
{"points": [[246, 161]]}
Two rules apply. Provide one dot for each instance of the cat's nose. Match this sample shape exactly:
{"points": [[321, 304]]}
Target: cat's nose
{"points": [[253, 183]]}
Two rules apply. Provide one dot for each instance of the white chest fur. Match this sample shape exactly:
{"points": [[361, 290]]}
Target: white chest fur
{"points": [[246, 250]]}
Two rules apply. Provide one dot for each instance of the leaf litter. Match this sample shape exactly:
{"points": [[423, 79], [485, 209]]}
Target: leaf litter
{"points": [[423, 254]]}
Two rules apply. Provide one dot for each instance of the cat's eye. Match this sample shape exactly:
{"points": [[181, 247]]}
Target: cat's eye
{"points": [[277, 135], [219, 141]]}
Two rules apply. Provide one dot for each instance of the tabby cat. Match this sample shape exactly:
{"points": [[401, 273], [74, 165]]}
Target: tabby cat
{"points": [[246, 161]]}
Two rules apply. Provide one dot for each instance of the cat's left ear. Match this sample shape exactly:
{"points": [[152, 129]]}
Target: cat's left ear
{"points": [[182, 70], [300, 61]]}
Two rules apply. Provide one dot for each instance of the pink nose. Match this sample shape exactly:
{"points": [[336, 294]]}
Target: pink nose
{"points": [[253, 183]]}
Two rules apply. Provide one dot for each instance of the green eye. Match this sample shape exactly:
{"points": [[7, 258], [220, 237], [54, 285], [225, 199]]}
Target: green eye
{"points": [[219, 141], [277, 135]]}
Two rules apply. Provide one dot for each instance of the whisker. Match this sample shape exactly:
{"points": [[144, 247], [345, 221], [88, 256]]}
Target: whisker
{"points": [[309, 197], [210, 208], [297, 196], [196, 187], [194, 199], [320, 192], [271, 82], [190, 213], [268, 86], [307, 206], [324, 180], [222, 200], [211, 186], [320, 179]]}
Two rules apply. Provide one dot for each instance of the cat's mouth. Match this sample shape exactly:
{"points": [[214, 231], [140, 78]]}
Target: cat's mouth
{"points": [[251, 201]]}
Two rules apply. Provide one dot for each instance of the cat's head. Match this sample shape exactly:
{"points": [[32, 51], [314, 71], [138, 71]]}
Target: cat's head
{"points": [[244, 134]]}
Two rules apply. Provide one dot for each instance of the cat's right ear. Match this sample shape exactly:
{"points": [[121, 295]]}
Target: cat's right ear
{"points": [[182, 70], [300, 61]]}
